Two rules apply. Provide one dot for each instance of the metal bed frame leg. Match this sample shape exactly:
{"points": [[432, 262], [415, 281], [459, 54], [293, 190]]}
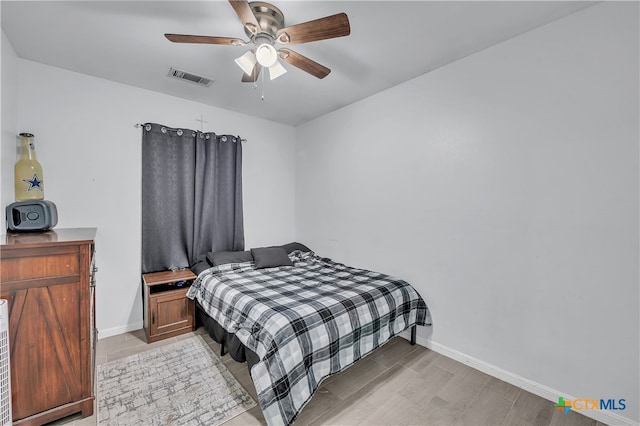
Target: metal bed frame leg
{"points": [[221, 350], [413, 334]]}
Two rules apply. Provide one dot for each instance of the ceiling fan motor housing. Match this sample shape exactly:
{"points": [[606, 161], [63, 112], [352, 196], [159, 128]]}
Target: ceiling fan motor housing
{"points": [[269, 17]]}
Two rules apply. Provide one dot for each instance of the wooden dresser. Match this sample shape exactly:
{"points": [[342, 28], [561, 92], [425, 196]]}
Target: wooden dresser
{"points": [[48, 278]]}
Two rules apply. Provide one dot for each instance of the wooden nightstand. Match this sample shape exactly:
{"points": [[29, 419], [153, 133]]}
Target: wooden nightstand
{"points": [[167, 310]]}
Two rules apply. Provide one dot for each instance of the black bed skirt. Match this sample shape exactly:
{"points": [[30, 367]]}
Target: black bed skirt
{"points": [[229, 341]]}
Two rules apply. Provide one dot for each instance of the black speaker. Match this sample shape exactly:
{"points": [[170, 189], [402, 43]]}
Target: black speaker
{"points": [[37, 215]]}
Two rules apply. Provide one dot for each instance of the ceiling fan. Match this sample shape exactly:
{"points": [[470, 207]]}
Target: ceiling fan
{"points": [[264, 25]]}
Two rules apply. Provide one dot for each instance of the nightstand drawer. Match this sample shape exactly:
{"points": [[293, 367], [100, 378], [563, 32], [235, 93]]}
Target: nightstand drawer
{"points": [[171, 311]]}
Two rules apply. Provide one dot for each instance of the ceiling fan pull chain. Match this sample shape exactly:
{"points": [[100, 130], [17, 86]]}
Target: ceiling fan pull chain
{"points": [[262, 77]]}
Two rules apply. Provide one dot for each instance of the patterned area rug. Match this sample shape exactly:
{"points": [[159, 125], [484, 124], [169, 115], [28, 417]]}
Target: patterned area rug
{"points": [[183, 383]]}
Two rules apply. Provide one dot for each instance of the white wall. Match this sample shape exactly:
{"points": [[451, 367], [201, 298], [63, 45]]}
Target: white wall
{"points": [[90, 152], [9, 117], [504, 187]]}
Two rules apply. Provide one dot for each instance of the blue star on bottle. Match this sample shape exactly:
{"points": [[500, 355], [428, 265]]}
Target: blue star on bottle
{"points": [[34, 183]]}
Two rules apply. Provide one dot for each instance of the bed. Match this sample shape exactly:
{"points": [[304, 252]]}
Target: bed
{"points": [[298, 318]]}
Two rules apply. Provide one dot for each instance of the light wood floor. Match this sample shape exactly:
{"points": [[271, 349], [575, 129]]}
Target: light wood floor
{"points": [[399, 384]]}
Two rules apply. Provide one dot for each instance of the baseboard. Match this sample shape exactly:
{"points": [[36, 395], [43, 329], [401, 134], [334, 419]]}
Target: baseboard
{"points": [[108, 332], [607, 417]]}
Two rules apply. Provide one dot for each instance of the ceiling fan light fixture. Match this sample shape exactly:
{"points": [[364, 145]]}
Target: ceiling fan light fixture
{"points": [[246, 62], [276, 70], [266, 55]]}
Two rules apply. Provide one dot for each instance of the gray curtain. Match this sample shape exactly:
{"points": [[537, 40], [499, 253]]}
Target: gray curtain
{"points": [[191, 196]]}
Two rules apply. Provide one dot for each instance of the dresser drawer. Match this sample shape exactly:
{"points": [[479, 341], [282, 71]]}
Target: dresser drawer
{"points": [[27, 268]]}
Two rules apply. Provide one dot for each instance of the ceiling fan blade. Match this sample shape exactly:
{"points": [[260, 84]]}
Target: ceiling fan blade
{"points": [[186, 38], [304, 63], [244, 12], [318, 29], [246, 78]]}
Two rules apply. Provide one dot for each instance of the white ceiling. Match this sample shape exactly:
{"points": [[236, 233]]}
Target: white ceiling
{"points": [[390, 42]]}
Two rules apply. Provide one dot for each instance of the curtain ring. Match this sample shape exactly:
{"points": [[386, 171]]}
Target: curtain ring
{"points": [[193, 134], [179, 132], [147, 127], [163, 130], [224, 139], [206, 136]]}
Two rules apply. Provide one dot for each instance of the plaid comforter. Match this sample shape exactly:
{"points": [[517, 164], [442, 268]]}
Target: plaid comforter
{"points": [[305, 322]]}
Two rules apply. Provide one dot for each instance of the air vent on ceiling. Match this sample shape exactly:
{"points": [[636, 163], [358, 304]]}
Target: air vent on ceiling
{"points": [[187, 76]]}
